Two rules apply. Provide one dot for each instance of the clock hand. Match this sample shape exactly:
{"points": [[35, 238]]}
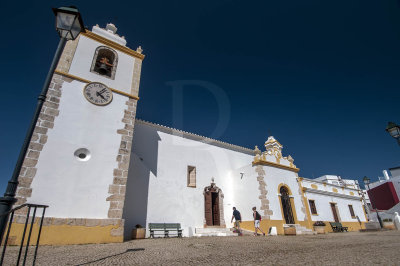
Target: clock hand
{"points": [[99, 94]]}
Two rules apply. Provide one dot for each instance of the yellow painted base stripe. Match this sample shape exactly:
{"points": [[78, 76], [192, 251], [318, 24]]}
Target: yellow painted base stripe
{"points": [[266, 224], [65, 235]]}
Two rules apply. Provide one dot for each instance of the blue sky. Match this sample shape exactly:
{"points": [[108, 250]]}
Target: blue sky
{"points": [[321, 77]]}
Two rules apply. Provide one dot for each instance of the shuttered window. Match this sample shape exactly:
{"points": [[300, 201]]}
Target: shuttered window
{"points": [[312, 207], [191, 176], [352, 211]]}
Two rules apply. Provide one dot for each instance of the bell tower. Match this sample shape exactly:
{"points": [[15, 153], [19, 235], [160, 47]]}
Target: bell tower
{"points": [[79, 154]]}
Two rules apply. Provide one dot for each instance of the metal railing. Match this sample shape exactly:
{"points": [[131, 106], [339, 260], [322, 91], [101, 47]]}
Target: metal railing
{"points": [[10, 223]]}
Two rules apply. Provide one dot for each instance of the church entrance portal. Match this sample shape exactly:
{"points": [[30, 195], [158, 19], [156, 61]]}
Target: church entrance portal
{"points": [[286, 205], [211, 208], [213, 202]]}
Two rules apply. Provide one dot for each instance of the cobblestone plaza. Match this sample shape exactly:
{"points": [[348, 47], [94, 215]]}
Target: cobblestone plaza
{"points": [[352, 248]]}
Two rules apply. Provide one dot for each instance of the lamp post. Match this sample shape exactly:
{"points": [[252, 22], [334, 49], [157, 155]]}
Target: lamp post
{"points": [[366, 182], [68, 24], [394, 131]]}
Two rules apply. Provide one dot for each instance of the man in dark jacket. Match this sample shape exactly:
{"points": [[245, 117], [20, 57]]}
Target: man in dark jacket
{"points": [[238, 219]]}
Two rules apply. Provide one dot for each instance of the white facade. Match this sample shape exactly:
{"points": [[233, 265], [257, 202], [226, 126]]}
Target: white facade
{"points": [[158, 191], [74, 188], [159, 164], [324, 194]]}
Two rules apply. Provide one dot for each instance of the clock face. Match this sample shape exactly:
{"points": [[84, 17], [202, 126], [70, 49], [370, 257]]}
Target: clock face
{"points": [[97, 93]]}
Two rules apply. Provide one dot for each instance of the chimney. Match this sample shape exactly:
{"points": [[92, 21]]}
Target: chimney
{"points": [[385, 174]]}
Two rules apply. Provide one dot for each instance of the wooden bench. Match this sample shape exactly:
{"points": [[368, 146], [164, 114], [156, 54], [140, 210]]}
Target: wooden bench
{"points": [[166, 228], [338, 227]]}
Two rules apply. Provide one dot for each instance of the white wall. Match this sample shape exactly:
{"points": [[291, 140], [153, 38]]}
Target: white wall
{"points": [[82, 62], [70, 187], [157, 184], [275, 177], [322, 204], [326, 193], [162, 159]]}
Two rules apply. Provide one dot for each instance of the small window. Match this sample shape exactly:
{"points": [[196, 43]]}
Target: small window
{"points": [[312, 207], [191, 176], [352, 211], [105, 62]]}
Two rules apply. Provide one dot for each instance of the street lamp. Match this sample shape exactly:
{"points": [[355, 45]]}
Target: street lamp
{"points": [[394, 131], [68, 24], [367, 182]]}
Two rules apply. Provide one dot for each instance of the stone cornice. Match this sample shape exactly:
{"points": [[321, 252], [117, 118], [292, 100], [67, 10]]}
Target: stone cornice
{"points": [[112, 44], [333, 194], [277, 165], [200, 138], [88, 81]]}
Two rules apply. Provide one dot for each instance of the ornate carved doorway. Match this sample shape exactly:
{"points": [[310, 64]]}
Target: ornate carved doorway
{"points": [[213, 206], [286, 205]]}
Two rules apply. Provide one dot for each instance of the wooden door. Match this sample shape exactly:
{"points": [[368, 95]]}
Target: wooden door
{"points": [[286, 206], [215, 208], [335, 216], [208, 208]]}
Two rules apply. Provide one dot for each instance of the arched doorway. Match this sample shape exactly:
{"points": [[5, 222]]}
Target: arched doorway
{"points": [[286, 205], [213, 206]]}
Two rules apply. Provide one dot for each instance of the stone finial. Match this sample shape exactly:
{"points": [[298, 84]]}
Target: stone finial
{"points": [[139, 49], [256, 150], [111, 27], [212, 179], [273, 144]]}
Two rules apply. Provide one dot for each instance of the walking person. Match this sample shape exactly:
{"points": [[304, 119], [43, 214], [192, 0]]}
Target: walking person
{"points": [[238, 219], [257, 219]]}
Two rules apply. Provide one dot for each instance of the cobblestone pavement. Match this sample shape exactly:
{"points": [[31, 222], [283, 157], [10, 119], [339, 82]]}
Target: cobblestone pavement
{"points": [[331, 249]]}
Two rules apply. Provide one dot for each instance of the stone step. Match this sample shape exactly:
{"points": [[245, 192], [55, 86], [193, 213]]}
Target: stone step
{"points": [[214, 231], [301, 230]]}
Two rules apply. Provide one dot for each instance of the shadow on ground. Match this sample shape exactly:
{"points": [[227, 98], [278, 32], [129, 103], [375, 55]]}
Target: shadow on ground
{"points": [[126, 251]]}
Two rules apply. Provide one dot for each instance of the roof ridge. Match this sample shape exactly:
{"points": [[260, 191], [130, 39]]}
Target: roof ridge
{"points": [[202, 138]]}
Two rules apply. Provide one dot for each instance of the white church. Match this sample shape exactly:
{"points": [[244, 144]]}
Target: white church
{"points": [[101, 171]]}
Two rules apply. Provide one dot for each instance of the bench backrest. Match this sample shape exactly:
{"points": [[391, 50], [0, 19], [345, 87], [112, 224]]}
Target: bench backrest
{"points": [[334, 224], [156, 226], [173, 226], [339, 225], [164, 226]]}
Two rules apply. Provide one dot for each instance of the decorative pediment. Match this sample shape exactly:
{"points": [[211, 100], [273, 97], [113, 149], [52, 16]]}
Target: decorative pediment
{"points": [[272, 156]]}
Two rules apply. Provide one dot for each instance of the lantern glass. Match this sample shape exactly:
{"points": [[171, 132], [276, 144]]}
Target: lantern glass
{"points": [[76, 28], [68, 22], [394, 132]]}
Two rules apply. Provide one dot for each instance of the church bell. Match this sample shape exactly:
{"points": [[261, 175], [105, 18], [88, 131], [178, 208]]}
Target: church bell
{"points": [[103, 69]]}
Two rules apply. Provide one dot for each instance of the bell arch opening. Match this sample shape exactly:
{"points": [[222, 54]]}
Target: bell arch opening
{"points": [[105, 61]]}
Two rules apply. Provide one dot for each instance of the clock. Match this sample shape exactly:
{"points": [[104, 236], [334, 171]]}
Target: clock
{"points": [[97, 93]]}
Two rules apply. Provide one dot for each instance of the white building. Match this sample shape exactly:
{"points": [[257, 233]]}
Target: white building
{"points": [[100, 183]]}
